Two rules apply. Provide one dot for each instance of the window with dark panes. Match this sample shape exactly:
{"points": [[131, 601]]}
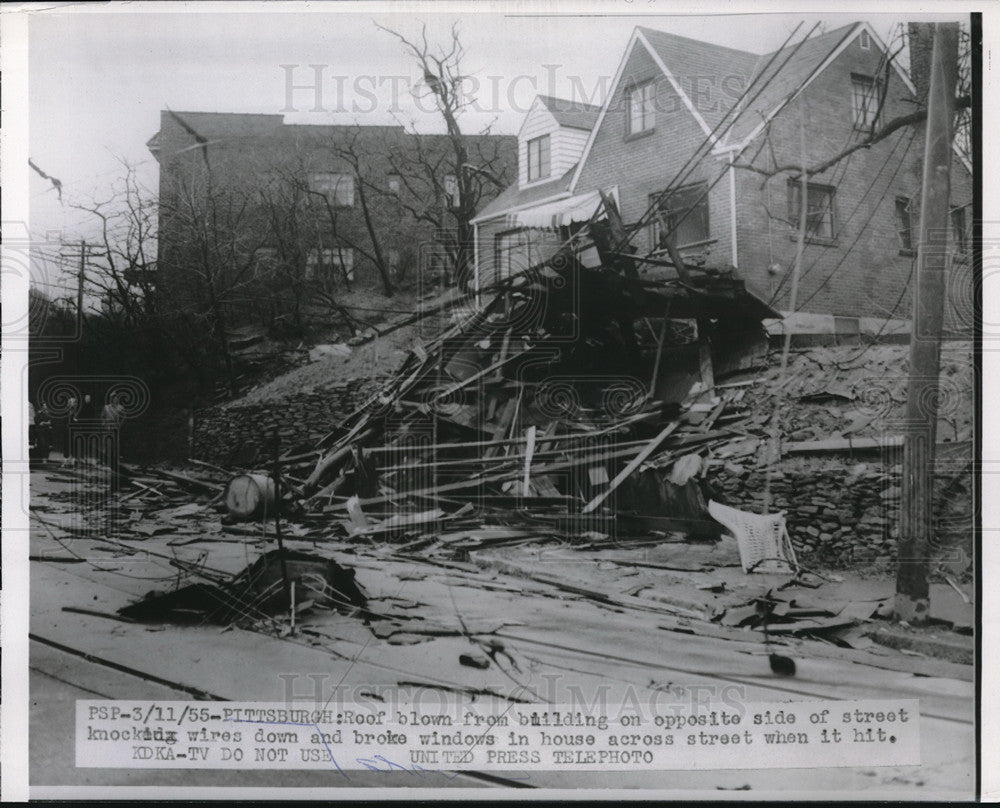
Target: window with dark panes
{"points": [[513, 253], [864, 98], [330, 263], [819, 209], [682, 214], [539, 158], [338, 188], [640, 102]]}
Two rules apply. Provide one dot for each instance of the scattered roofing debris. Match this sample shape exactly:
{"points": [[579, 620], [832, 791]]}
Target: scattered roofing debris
{"points": [[576, 399], [577, 407]]}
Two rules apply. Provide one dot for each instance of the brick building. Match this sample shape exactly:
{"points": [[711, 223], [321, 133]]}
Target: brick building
{"points": [[709, 124], [257, 213]]}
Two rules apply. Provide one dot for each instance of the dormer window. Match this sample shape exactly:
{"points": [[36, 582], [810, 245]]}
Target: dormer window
{"points": [[539, 158], [639, 101]]}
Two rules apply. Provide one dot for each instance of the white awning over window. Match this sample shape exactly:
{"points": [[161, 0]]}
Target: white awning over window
{"points": [[560, 213]]}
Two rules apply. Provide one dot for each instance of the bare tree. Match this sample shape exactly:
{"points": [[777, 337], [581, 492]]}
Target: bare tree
{"points": [[211, 247], [470, 165]]}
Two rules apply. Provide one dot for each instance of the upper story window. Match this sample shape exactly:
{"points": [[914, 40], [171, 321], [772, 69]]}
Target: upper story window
{"points": [[820, 222], [864, 97], [683, 217], [539, 158], [452, 196], [639, 101], [865, 40], [338, 188]]}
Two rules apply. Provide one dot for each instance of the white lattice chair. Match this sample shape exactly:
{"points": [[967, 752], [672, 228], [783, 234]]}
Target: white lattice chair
{"points": [[760, 536]]}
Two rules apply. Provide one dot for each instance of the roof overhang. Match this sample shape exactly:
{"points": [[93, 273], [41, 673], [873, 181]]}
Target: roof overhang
{"points": [[560, 212]]}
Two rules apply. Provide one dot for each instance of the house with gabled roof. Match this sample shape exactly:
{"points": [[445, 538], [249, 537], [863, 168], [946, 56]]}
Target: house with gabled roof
{"points": [[700, 144]]}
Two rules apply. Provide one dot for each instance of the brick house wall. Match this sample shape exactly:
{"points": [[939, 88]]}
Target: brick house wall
{"points": [[247, 152], [646, 163], [862, 271]]}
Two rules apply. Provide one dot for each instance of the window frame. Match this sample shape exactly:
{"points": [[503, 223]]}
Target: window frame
{"points": [[543, 168], [320, 183], [499, 251], [330, 258], [702, 202], [647, 107], [870, 118], [452, 195], [793, 189]]}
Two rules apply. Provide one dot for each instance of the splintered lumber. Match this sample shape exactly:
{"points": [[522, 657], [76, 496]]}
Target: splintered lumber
{"points": [[454, 388], [335, 457], [472, 482], [503, 424], [843, 444], [528, 454], [183, 479], [636, 461]]}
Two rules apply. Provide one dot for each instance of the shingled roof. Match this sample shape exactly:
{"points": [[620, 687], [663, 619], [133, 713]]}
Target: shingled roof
{"points": [[691, 60], [574, 114]]}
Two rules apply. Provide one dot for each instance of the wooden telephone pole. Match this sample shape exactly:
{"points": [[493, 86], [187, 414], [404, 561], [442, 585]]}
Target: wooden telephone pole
{"points": [[916, 514]]}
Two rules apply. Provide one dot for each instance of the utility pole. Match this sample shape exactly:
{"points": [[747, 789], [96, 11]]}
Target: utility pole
{"points": [[79, 287], [793, 301], [916, 513]]}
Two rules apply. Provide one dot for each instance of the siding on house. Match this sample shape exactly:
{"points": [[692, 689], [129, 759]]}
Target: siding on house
{"points": [[862, 271], [566, 144], [647, 163]]}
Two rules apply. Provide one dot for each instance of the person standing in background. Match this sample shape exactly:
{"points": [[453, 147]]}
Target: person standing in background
{"points": [[72, 407]]}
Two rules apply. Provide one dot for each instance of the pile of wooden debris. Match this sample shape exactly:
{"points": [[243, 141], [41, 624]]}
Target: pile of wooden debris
{"points": [[578, 399]]}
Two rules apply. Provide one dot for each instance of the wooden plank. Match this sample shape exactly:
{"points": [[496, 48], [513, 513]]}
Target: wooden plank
{"points": [[528, 454], [646, 451], [503, 424], [472, 482], [843, 444], [454, 388]]}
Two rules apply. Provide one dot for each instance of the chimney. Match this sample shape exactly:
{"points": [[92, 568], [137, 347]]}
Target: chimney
{"points": [[921, 35]]}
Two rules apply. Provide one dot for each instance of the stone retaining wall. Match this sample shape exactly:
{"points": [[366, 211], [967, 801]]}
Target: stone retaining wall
{"points": [[842, 512], [243, 435]]}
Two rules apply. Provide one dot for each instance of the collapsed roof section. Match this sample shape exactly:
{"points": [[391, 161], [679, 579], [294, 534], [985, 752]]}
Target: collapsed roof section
{"points": [[573, 375]]}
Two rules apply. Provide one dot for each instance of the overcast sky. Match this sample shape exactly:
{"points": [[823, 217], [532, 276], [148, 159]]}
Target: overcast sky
{"points": [[98, 81]]}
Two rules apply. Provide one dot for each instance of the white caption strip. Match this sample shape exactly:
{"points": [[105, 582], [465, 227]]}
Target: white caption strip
{"points": [[237, 735]]}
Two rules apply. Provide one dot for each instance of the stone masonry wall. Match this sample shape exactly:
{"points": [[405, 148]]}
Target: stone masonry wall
{"points": [[841, 512], [243, 435]]}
